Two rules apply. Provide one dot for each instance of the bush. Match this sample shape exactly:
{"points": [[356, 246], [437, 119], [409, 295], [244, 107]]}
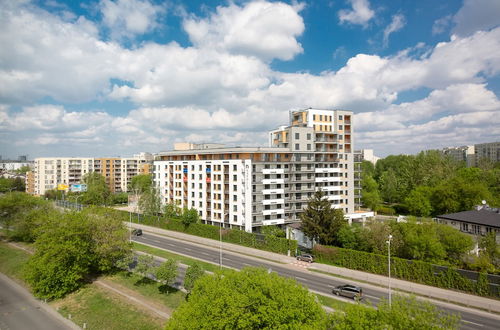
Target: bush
{"points": [[411, 270]]}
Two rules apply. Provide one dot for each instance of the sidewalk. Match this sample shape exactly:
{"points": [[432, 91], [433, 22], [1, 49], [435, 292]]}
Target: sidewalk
{"points": [[450, 296]]}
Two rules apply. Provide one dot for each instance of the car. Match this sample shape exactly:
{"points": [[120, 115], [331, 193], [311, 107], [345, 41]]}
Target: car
{"points": [[137, 232], [305, 257], [350, 291]]}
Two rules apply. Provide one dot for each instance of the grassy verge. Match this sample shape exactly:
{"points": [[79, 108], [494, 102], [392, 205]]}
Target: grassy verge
{"points": [[12, 261], [169, 255], [332, 303], [100, 310], [154, 291]]}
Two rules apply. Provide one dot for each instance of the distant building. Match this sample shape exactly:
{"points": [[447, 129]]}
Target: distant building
{"points": [[490, 151], [118, 172], [365, 154], [461, 154], [13, 165]]}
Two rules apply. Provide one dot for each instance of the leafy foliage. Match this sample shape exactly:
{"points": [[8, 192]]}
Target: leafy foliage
{"points": [[189, 216], [193, 273], [167, 272], [404, 313], [141, 183], [145, 264], [11, 184], [98, 192], [250, 299]]}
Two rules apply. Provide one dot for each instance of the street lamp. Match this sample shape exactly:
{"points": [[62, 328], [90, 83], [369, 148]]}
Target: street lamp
{"points": [[220, 240], [389, 265], [76, 202]]}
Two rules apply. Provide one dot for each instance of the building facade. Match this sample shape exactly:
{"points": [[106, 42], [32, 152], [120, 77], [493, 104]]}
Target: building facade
{"points": [[49, 172], [461, 154], [252, 187], [490, 151]]}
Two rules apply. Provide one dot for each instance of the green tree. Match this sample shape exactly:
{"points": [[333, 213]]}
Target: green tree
{"points": [[63, 256], [193, 273], [189, 216], [455, 243], [23, 170], [14, 205], [150, 202], [53, 194], [167, 272], [141, 183], [490, 248], [171, 210], [250, 299], [145, 264], [404, 313], [98, 192], [418, 201], [11, 184], [273, 231], [320, 221]]}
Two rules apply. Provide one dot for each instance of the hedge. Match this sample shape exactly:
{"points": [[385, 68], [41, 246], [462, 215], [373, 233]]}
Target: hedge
{"points": [[411, 270], [236, 236]]}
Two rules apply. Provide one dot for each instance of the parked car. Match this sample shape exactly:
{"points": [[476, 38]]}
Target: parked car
{"points": [[137, 232], [350, 291], [306, 257]]}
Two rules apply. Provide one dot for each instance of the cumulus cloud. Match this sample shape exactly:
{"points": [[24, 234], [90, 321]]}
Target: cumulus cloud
{"points": [[128, 18], [360, 13], [477, 15], [441, 24], [397, 23], [263, 29]]}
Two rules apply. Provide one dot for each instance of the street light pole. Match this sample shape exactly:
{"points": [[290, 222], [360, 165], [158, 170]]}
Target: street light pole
{"points": [[220, 240], [389, 265]]}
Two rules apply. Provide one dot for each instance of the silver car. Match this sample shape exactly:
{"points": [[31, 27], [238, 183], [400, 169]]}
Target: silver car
{"points": [[350, 291], [306, 257]]}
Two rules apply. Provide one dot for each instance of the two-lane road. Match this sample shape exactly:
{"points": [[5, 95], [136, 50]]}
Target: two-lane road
{"points": [[315, 282]]}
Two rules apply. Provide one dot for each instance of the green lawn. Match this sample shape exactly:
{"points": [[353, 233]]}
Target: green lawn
{"points": [[153, 290], [332, 303], [169, 255], [100, 310], [12, 261]]}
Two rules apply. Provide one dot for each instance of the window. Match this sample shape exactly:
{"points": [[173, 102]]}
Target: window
{"points": [[464, 226], [297, 136], [340, 118], [308, 136], [314, 117], [308, 146], [341, 127], [297, 146]]}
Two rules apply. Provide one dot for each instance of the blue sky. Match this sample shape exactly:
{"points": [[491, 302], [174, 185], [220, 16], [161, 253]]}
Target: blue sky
{"points": [[115, 77]]}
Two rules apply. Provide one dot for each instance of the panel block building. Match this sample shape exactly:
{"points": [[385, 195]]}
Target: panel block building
{"points": [[246, 187], [51, 171]]}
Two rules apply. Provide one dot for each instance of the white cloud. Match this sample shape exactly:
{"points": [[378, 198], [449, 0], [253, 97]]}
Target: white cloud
{"points": [[263, 29], [128, 18], [441, 24], [397, 23], [477, 15], [360, 13]]}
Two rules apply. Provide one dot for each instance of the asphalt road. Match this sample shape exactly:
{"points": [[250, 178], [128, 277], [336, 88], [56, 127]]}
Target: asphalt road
{"points": [[20, 311], [316, 282]]}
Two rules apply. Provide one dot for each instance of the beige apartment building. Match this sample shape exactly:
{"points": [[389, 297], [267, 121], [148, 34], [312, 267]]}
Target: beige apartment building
{"points": [[249, 187], [51, 171]]}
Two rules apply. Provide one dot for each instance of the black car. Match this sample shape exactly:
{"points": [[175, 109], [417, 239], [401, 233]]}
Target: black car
{"points": [[137, 232], [350, 291]]}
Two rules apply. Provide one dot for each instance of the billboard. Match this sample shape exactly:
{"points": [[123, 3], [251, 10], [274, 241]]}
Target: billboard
{"points": [[61, 186], [78, 188]]}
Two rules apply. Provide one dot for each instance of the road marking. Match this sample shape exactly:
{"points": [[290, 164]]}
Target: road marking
{"points": [[188, 249], [301, 278], [204, 253], [156, 241], [478, 324]]}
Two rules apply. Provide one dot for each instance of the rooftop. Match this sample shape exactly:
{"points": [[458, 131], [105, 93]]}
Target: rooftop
{"points": [[486, 217]]}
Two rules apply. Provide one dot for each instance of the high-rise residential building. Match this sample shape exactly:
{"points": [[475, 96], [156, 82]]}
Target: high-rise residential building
{"points": [[461, 154], [490, 151], [49, 172], [249, 187]]}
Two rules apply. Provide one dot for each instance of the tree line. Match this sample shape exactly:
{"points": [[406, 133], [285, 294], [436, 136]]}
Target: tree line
{"points": [[428, 184]]}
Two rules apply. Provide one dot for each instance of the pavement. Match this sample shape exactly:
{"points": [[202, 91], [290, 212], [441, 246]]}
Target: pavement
{"points": [[449, 296], [19, 310]]}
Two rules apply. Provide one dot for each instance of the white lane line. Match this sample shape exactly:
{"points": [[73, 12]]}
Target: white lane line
{"points": [[301, 278], [156, 241], [246, 264], [204, 253], [478, 324], [187, 249]]}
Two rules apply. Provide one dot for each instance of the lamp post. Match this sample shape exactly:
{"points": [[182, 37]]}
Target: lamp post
{"points": [[389, 265], [220, 239], [76, 202]]}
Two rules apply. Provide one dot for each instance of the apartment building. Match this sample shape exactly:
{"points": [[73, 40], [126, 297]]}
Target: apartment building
{"points": [[252, 187], [490, 151], [461, 154], [51, 171]]}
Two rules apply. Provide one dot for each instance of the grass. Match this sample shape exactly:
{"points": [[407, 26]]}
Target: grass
{"points": [[100, 310], [332, 303], [12, 261], [169, 255], [154, 291]]}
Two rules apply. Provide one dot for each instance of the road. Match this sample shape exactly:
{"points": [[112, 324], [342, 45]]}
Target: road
{"points": [[20, 311], [318, 283]]}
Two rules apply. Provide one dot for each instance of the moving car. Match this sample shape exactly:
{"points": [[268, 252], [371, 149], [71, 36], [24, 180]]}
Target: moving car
{"points": [[137, 232], [350, 291], [306, 257]]}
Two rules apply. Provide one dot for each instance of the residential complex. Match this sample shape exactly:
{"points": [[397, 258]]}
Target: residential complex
{"points": [[249, 187], [490, 151], [473, 155], [461, 154], [49, 172]]}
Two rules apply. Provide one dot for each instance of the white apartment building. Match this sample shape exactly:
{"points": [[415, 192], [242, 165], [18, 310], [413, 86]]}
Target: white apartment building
{"points": [[51, 171], [252, 187]]}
